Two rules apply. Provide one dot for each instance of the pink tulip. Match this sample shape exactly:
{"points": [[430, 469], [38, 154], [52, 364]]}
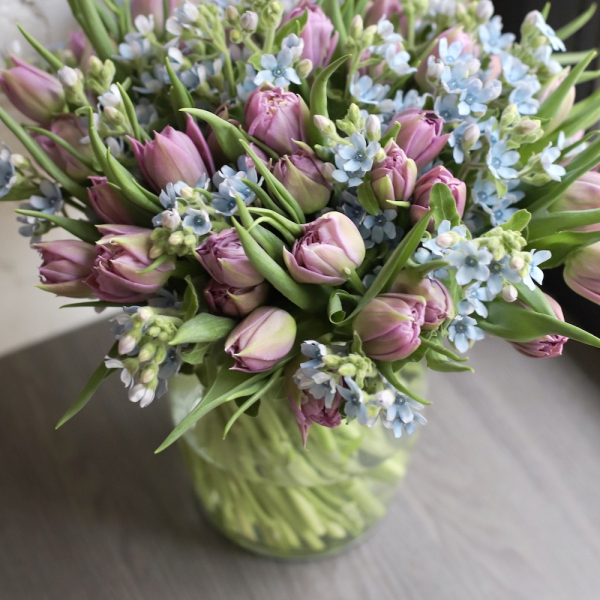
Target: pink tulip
{"points": [[65, 266], [106, 203], [70, 129], [122, 253], [235, 302], [582, 272], [390, 325], [261, 340], [276, 117], [328, 252], [378, 9], [34, 92], [394, 177], [583, 194], [223, 257]]}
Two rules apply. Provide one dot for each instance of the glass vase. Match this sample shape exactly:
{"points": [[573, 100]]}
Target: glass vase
{"points": [[268, 493]]}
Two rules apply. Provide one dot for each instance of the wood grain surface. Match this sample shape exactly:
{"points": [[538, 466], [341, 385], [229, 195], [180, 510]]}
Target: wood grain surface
{"points": [[502, 500]]}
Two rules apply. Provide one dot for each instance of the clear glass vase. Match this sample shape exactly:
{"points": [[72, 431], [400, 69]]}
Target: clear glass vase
{"points": [[266, 492]]}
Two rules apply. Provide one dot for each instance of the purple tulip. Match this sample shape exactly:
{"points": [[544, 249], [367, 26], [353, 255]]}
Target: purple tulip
{"points": [[390, 325], [421, 135], [81, 48], [235, 302], [582, 272], [121, 253], [394, 177], [173, 156], [34, 92], [223, 257], [318, 34], [379, 9], [583, 194], [276, 117], [328, 252], [439, 174], [261, 340], [302, 175], [548, 346], [70, 129], [65, 266], [439, 306], [106, 203]]}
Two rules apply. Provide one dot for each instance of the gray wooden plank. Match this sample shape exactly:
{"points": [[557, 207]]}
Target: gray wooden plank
{"points": [[501, 500]]}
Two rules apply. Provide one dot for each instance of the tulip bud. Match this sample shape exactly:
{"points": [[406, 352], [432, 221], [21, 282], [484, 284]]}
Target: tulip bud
{"points": [[261, 340], [249, 21], [329, 252], [235, 302], [301, 176], [34, 92], [70, 129], [509, 293], [582, 272], [562, 112], [105, 202], [379, 9], [390, 325], [394, 177]]}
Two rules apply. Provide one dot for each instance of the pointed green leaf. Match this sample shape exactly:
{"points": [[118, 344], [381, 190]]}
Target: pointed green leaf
{"points": [[437, 362], [555, 222], [576, 24], [535, 299], [562, 244], [54, 62], [84, 230], [387, 370], [190, 300], [366, 196], [203, 328], [443, 205], [518, 221]]}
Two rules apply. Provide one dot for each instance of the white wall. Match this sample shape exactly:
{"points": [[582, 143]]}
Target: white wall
{"points": [[27, 314]]}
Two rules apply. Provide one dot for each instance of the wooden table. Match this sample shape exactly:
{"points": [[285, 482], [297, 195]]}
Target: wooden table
{"points": [[502, 500]]}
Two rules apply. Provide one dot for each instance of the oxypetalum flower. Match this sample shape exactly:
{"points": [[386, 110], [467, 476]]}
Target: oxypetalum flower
{"points": [[447, 238], [402, 415], [535, 273], [8, 177], [500, 161], [475, 96], [354, 407], [492, 38], [277, 70], [229, 185], [355, 159], [366, 91], [379, 228], [471, 262], [169, 198], [549, 156], [501, 212], [198, 220], [50, 202], [535, 17], [474, 299], [500, 271], [463, 331]]}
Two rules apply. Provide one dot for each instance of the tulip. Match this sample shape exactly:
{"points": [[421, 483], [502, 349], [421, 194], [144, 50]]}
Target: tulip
{"points": [[81, 48], [562, 112], [547, 346], [276, 117], [330, 250], [390, 325], [235, 302], [34, 92], [455, 34], [318, 33], [309, 410], [439, 174], [70, 129], [223, 257], [582, 272], [106, 203], [394, 177], [65, 266], [122, 253], [583, 194], [439, 306], [302, 176], [173, 156], [421, 135], [379, 9], [261, 340]]}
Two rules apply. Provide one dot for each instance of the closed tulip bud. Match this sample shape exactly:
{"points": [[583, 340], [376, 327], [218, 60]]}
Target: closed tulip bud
{"points": [[548, 346], [562, 112], [330, 250], [509, 293], [122, 253], [65, 266], [582, 272], [276, 117], [439, 174], [249, 21], [105, 202], [390, 325], [225, 260], [439, 306], [261, 340], [235, 302], [394, 177], [34, 92], [583, 194], [70, 129], [421, 135], [302, 176]]}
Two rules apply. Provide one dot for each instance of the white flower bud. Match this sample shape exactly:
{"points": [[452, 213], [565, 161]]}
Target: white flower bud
{"points": [[356, 27], [231, 13], [304, 68], [69, 77], [447, 240], [171, 219], [327, 170], [176, 238], [484, 10], [112, 114], [384, 398], [471, 136], [127, 344], [509, 293], [324, 124], [148, 375], [145, 313], [517, 263], [435, 68], [249, 21], [373, 128]]}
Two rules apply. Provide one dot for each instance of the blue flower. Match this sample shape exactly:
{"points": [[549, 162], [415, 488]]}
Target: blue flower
{"points": [[369, 279], [549, 155], [471, 262], [501, 212], [475, 296], [500, 160], [447, 107], [50, 202], [171, 365], [294, 43], [398, 60], [489, 129], [456, 140], [193, 78], [450, 54], [145, 112], [462, 331], [378, 228], [352, 208], [229, 184], [247, 86], [460, 232], [277, 70], [315, 352], [543, 55], [513, 69], [8, 176], [318, 384], [556, 43], [492, 38], [535, 273], [523, 96], [169, 199], [401, 101], [135, 46], [354, 407], [367, 92], [456, 78], [499, 271], [476, 95], [198, 220], [153, 82], [354, 160], [402, 415], [484, 192]]}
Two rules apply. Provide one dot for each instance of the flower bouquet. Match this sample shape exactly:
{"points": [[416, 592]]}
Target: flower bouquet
{"points": [[298, 208]]}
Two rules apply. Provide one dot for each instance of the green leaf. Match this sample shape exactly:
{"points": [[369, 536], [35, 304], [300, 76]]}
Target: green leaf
{"points": [[555, 222], [52, 60], [333, 10], [190, 300], [179, 94], [562, 244], [23, 191], [588, 76], [82, 229], [366, 196], [203, 328], [337, 308], [262, 195], [518, 221], [227, 134], [392, 134], [439, 349], [516, 324], [387, 370], [138, 133], [443, 205], [535, 299], [196, 355], [576, 24], [86, 13], [437, 362], [99, 375]]}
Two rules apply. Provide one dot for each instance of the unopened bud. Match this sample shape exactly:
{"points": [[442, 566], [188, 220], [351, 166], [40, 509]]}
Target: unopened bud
{"points": [[147, 352], [304, 68], [249, 21], [517, 262], [435, 68], [231, 13], [69, 77], [509, 293], [384, 398], [356, 27], [149, 374], [127, 344], [145, 314], [171, 219], [448, 239], [484, 10], [113, 114], [373, 128], [471, 136], [324, 124], [176, 238]]}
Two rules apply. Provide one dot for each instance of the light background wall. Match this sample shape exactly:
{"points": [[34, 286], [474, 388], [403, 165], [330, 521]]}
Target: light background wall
{"points": [[27, 314]]}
